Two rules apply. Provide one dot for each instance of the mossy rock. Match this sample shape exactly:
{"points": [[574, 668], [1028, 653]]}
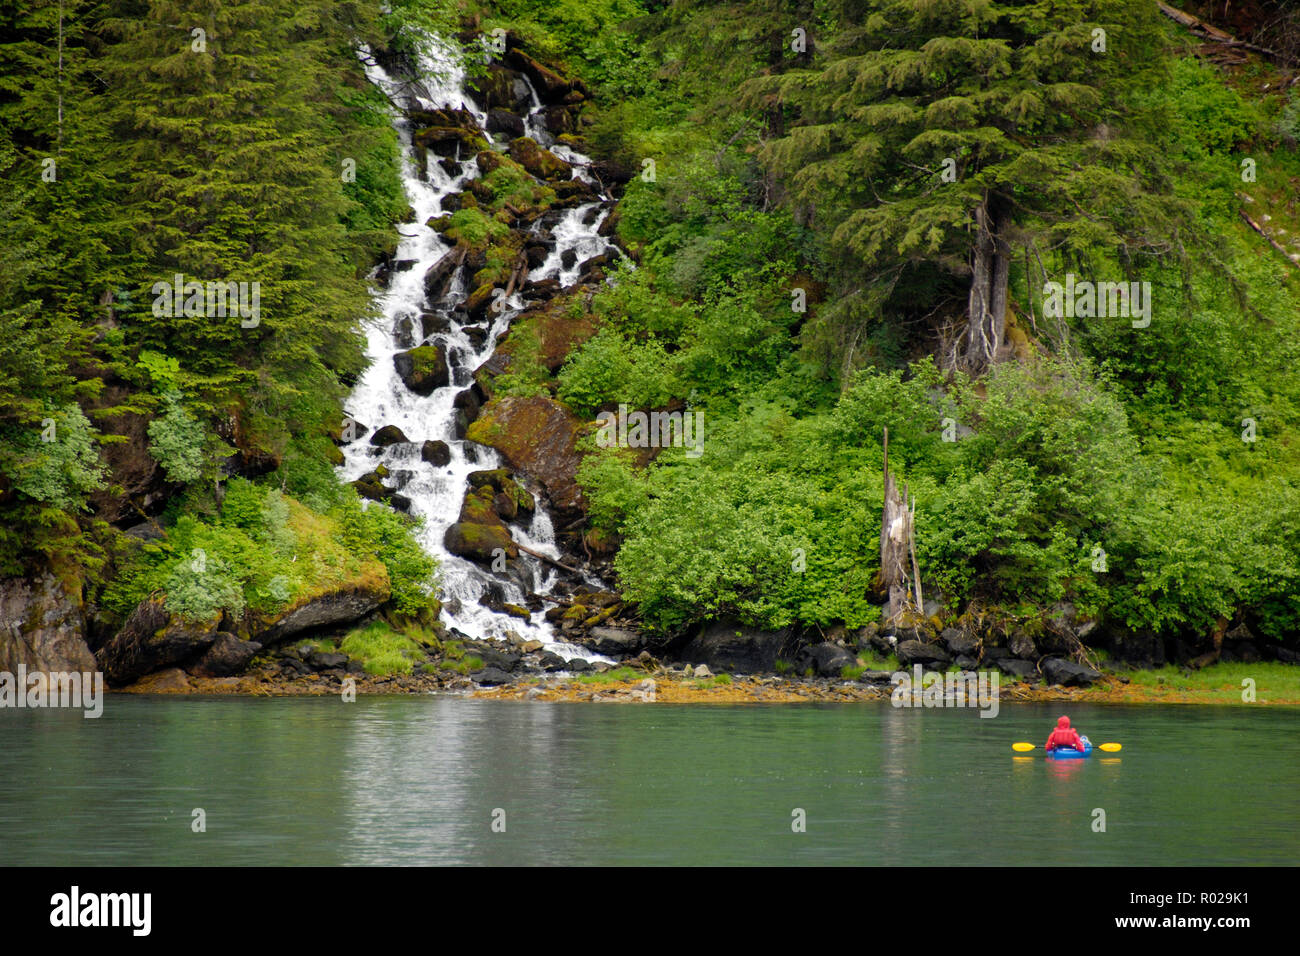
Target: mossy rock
{"points": [[477, 507], [369, 486], [500, 481], [422, 369], [479, 542], [514, 610], [489, 161], [539, 161], [479, 300], [450, 141]]}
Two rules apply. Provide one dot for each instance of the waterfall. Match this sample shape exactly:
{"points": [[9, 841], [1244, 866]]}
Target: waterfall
{"points": [[381, 398]]}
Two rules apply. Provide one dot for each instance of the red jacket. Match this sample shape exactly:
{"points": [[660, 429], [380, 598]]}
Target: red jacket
{"points": [[1063, 736]]}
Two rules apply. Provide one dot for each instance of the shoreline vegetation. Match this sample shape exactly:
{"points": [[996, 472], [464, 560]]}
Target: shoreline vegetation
{"points": [[1275, 684]]}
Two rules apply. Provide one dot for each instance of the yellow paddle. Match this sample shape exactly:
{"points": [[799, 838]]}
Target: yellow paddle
{"points": [[1022, 747], [1109, 748]]}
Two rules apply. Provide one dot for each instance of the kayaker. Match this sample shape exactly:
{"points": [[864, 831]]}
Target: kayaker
{"points": [[1063, 736]]}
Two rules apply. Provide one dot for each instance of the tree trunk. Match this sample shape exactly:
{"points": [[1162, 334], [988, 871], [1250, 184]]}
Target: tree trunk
{"points": [[896, 548], [987, 309]]}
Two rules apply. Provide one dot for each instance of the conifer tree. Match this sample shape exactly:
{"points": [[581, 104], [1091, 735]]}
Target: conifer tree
{"points": [[943, 138]]}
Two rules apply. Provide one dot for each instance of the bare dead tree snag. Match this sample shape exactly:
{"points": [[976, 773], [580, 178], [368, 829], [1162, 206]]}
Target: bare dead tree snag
{"points": [[897, 548]]}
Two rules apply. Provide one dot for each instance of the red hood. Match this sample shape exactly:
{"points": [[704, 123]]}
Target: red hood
{"points": [[1063, 723]]}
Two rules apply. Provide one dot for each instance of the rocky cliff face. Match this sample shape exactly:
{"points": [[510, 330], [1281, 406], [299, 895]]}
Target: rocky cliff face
{"points": [[42, 623]]}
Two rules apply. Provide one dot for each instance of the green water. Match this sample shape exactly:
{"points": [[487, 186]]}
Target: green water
{"points": [[416, 780]]}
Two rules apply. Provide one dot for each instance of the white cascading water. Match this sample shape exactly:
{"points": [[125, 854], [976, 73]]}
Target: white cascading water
{"points": [[381, 398]]}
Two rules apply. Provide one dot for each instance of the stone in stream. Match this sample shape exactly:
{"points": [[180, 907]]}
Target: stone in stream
{"points": [[388, 435], [479, 542], [437, 280], [539, 161], [435, 453], [504, 121], [550, 661], [467, 404], [422, 369]]}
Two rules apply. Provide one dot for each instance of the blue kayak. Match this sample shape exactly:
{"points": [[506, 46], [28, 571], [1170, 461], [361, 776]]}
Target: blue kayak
{"points": [[1069, 753]]}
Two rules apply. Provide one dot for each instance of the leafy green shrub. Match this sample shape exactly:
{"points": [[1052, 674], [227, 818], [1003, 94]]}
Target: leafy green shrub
{"points": [[176, 441], [58, 463], [612, 369]]}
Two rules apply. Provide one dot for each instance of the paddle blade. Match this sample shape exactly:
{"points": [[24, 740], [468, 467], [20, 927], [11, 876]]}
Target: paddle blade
{"points": [[1022, 747], [1111, 748]]}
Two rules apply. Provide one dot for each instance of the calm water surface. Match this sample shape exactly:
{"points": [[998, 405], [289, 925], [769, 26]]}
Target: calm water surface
{"points": [[416, 780]]}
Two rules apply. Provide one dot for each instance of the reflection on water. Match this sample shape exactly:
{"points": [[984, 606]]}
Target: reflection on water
{"points": [[417, 780]]}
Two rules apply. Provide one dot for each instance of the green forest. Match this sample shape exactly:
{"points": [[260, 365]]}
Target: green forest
{"points": [[839, 217]]}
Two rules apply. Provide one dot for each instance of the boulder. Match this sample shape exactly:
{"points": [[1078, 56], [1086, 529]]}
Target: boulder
{"points": [[478, 542], [467, 404], [342, 603], [1023, 646], [917, 652], [1139, 648], [538, 160], [734, 649], [435, 453], [450, 141], [550, 86], [551, 662], [539, 437], [422, 369], [1068, 673], [42, 625], [960, 643], [825, 659], [437, 280], [388, 435], [1025, 670], [227, 655], [151, 639], [500, 88], [501, 484], [504, 121], [326, 660], [615, 641], [371, 486], [876, 677], [490, 677]]}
